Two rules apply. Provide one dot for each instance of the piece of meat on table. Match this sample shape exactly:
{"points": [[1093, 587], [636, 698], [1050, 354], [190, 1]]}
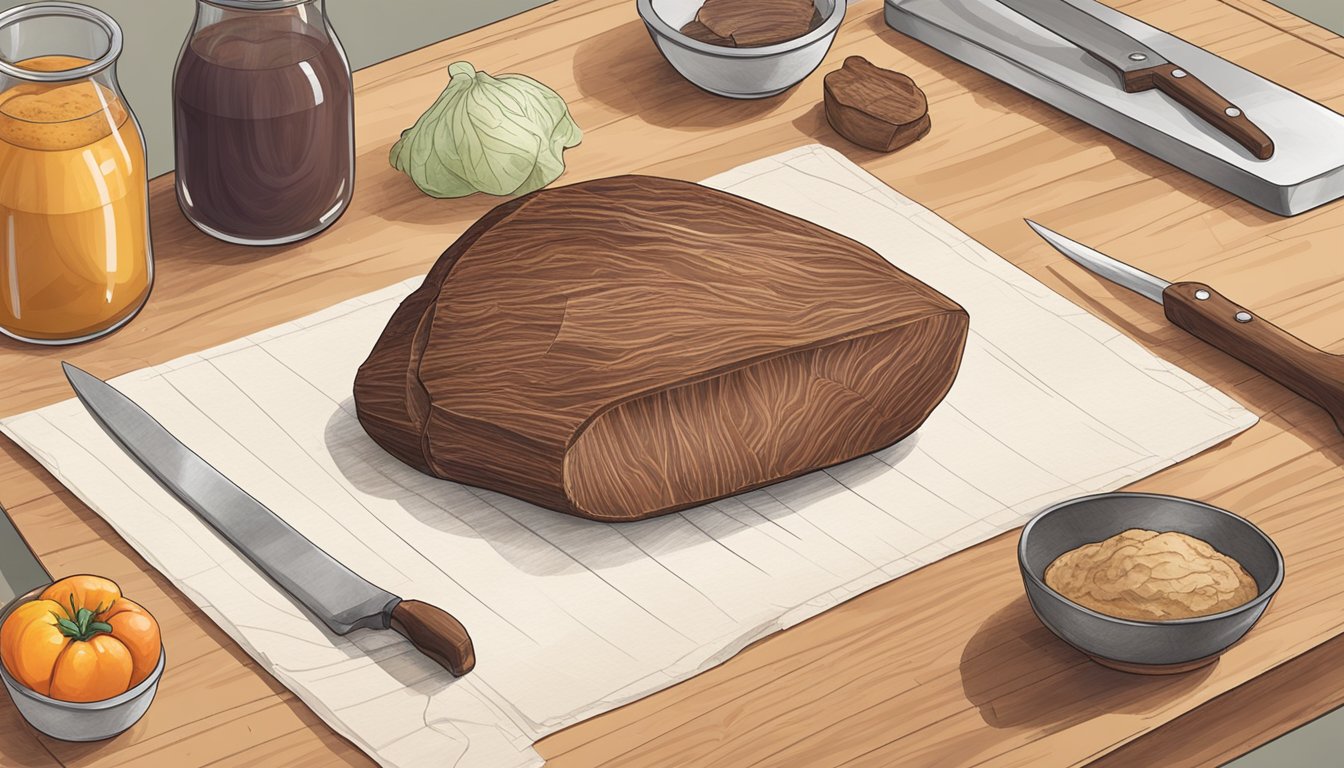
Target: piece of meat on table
{"points": [[874, 107]]}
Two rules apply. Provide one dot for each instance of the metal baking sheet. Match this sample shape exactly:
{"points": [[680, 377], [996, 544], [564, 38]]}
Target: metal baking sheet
{"points": [[1306, 171]]}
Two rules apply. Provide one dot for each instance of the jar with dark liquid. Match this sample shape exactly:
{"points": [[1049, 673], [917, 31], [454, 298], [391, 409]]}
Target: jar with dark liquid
{"points": [[263, 111]]}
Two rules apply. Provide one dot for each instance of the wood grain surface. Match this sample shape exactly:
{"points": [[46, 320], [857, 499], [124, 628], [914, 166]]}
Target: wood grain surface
{"points": [[946, 666], [873, 107], [626, 347]]}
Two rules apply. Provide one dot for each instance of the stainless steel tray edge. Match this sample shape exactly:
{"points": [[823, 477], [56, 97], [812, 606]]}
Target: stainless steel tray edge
{"points": [[1298, 188]]}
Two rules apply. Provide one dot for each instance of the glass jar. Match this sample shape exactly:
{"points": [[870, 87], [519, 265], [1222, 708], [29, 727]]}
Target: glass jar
{"points": [[74, 191], [263, 111]]}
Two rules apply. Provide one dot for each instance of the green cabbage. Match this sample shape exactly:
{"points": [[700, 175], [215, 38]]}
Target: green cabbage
{"points": [[500, 135]]}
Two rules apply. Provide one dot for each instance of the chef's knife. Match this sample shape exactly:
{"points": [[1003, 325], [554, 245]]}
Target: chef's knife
{"points": [[1141, 68], [338, 596], [20, 571], [1310, 372]]}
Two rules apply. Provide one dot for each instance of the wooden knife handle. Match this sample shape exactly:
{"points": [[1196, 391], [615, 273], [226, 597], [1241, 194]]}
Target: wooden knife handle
{"points": [[1312, 373], [435, 633], [1193, 94]]}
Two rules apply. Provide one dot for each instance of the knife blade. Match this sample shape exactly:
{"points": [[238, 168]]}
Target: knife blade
{"points": [[1204, 313], [20, 570], [339, 597], [1142, 69]]}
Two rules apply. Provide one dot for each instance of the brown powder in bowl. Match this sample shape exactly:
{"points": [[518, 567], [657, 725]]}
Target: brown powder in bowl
{"points": [[1151, 576]]}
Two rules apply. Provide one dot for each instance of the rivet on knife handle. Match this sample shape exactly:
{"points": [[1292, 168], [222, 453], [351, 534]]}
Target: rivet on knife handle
{"points": [[1193, 94], [435, 633], [1312, 373]]}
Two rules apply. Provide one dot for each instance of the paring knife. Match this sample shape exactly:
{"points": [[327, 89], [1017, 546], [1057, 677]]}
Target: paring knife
{"points": [[338, 596], [1203, 312], [1141, 69]]}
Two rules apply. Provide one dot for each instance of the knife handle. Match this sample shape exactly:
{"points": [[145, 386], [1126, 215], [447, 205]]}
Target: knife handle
{"points": [[435, 633], [1193, 94], [1310, 372]]}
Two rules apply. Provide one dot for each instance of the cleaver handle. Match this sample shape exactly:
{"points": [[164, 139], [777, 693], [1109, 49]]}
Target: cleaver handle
{"points": [[1310, 372], [1195, 95], [435, 633]]}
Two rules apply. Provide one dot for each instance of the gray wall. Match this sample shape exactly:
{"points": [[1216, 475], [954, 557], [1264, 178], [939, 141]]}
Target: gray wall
{"points": [[370, 30], [1327, 13]]}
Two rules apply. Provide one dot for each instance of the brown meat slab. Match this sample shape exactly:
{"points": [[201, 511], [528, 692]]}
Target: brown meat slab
{"points": [[753, 23], [632, 346], [696, 30], [874, 107]]}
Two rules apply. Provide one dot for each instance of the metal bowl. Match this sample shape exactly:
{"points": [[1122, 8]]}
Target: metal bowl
{"points": [[739, 73], [78, 721], [1152, 647]]}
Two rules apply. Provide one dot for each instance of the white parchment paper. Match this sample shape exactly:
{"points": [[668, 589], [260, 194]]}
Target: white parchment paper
{"points": [[572, 618]]}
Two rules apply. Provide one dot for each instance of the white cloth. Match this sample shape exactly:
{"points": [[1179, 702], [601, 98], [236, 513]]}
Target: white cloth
{"points": [[572, 618]]}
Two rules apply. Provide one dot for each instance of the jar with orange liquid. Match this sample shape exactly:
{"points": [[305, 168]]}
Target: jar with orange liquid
{"points": [[75, 256]]}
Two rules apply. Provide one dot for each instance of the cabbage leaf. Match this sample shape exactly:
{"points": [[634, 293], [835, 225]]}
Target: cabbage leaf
{"points": [[502, 135]]}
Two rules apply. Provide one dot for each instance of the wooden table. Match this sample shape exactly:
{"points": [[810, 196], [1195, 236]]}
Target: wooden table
{"points": [[943, 667]]}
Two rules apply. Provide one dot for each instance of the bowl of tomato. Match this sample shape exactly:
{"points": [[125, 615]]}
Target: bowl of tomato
{"points": [[80, 661]]}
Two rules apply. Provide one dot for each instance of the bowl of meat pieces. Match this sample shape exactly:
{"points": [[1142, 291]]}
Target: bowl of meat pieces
{"points": [[743, 49]]}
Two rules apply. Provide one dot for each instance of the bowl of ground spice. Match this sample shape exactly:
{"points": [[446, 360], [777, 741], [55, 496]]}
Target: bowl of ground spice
{"points": [[743, 49], [1147, 583]]}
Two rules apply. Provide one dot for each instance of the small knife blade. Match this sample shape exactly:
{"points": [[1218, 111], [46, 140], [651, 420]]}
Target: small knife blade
{"points": [[1207, 315], [1141, 69], [339, 597], [1114, 270]]}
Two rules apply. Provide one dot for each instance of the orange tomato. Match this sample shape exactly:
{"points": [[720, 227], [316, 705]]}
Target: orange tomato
{"points": [[80, 640]]}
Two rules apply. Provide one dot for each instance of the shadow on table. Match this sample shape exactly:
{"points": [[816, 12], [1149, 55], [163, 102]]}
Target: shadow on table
{"points": [[546, 543], [1021, 676], [394, 197], [813, 123]]}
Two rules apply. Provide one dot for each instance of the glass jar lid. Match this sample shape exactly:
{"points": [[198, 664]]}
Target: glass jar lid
{"points": [[51, 21]]}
